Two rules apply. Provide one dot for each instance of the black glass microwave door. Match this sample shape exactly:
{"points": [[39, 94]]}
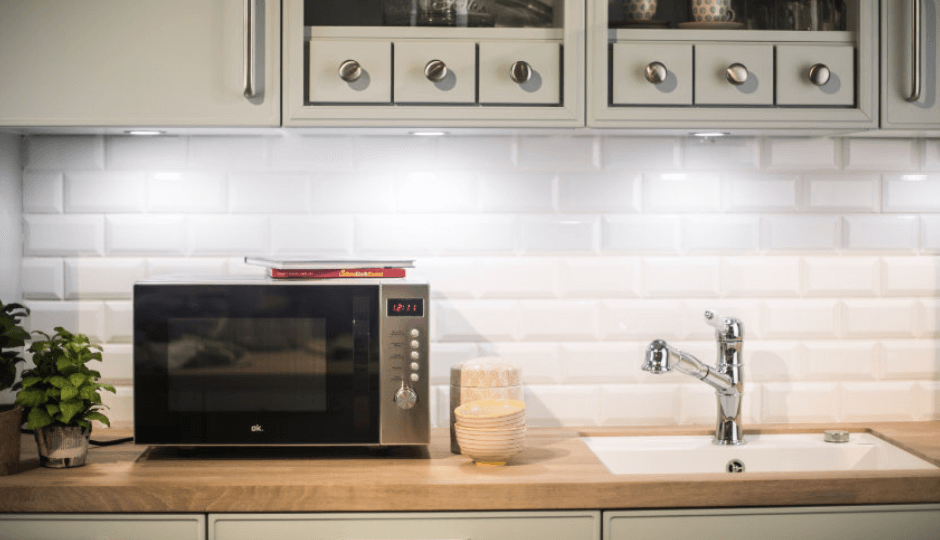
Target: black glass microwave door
{"points": [[240, 364]]}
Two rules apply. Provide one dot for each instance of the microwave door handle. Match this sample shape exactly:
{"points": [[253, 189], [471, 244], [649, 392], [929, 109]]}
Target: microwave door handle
{"points": [[251, 50]]}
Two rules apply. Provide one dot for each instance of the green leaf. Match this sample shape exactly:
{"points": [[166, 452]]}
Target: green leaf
{"points": [[29, 381], [84, 423], [65, 365], [53, 393], [70, 409], [95, 356], [38, 419], [90, 393], [99, 417], [32, 397], [52, 409], [109, 388], [68, 392], [58, 381], [77, 379]]}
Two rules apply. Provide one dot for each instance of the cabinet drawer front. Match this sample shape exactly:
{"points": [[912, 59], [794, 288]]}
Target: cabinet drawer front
{"points": [[711, 83], [96, 527], [411, 84], [497, 85], [794, 86], [450, 526], [630, 86], [374, 85]]}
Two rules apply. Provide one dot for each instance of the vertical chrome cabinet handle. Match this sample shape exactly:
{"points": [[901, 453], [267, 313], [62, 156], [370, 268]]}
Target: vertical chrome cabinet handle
{"points": [[251, 52], [917, 33], [350, 71], [819, 74], [520, 72], [656, 72], [435, 71], [736, 74]]}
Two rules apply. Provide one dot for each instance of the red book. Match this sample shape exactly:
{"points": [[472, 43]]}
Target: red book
{"points": [[324, 273]]}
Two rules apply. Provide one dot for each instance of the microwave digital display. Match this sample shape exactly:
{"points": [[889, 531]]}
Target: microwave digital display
{"points": [[406, 307]]}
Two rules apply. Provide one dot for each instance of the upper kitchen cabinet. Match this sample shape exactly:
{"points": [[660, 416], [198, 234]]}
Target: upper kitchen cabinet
{"points": [[735, 65], [433, 63], [909, 59], [142, 63]]}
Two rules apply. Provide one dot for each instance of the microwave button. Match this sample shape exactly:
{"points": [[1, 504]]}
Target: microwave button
{"points": [[415, 333], [415, 366], [415, 377], [415, 355], [415, 344]]}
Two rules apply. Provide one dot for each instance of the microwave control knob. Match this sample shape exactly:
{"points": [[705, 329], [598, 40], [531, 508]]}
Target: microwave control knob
{"points": [[405, 398]]}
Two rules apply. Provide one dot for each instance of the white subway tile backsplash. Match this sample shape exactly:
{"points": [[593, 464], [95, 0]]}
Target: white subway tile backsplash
{"points": [[104, 191], [552, 406], [559, 234], [854, 193], [472, 152], [53, 235], [866, 401], [85, 317], [102, 278], [489, 234], [138, 153], [117, 362], [450, 277], [930, 233], [234, 235], [233, 153], [393, 153], [931, 154], [295, 152], [43, 278], [750, 277], [397, 236], [640, 319], [599, 192], [301, 235], [119, 320], [881, 154], [43, 192], [186, 266], [64, 152], [802, 153], [204, 192], [334, 193], [800, 319], [558, 320], [445, 355], [801, 233], [268, 193], [680, 277], [558, 153], [634, 404], [800, 402], [537, 362], [477, 320], [119, 407], [768, 361], [909, 359], [681, 192], [721, 234], [929, 400], [930, 317], [599, 277], [609, 363], [721, 153], [881, 317], [511, 191], [910, 276], [841, 276], [761, 193], [644, 234], [515, 277], [436, 192], [881, 233], [841, 360], [145, 234], [911, 193], [641, 153]]}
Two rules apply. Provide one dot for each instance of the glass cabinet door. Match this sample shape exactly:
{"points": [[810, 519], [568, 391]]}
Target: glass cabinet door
{"points": [[440, 63], [733, 65]]}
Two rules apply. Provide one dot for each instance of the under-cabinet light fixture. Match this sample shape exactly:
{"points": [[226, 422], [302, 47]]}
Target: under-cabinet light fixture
{"points": [[428, 133], [145, 132], [710, 134]]}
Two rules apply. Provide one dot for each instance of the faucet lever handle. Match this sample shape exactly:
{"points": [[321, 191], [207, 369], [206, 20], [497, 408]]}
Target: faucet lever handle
{"points": [[727, 327]]}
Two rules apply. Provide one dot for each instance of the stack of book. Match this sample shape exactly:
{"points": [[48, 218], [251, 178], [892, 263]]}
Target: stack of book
{"points": [[331, 269]]}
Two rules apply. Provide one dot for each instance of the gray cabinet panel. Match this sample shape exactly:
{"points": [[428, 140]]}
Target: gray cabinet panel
{"points": [[102, 527], [897, 49]]}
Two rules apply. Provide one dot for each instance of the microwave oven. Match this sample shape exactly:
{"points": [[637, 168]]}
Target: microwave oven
{"points": [[257, 361]]}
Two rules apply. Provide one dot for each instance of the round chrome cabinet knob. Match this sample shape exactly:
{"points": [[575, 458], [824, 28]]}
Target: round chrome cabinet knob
{"points": [[656, 72], [736, 74], [405, 398], [520, 72], [819, 74], [435, 71], [350, 71]]}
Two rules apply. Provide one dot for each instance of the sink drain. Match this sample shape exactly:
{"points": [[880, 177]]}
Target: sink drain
{"points": [[735, 466]]}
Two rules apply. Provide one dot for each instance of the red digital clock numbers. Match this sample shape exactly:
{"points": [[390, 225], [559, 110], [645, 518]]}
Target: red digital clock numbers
{"points": [[405, 307]]}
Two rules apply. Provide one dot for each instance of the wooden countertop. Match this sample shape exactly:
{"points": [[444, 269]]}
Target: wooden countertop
{"points": [[555, 471]]}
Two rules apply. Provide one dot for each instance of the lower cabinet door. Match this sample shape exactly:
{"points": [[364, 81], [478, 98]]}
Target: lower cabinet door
{"points": [[102, 527], [413, 526], [910, 522]]}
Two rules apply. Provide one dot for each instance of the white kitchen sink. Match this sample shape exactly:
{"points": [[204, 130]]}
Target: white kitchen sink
{"points": [[790, 452]]}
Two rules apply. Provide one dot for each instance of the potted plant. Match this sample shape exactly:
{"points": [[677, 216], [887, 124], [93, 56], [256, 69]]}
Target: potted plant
{"points": [[12, 338], [61, 397]]}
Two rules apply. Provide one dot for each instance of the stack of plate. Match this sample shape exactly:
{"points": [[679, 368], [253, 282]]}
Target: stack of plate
{"points": [[490, 431]]}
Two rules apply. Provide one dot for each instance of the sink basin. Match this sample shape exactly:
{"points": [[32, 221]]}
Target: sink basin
{"points": [[791, 452]]}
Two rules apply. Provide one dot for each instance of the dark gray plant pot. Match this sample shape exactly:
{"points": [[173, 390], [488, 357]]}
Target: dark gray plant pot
{"points": [[62, 446], [10, 422]]}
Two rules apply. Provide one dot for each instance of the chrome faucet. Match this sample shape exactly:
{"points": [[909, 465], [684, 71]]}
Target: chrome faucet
{"points": [[726, 377]]}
